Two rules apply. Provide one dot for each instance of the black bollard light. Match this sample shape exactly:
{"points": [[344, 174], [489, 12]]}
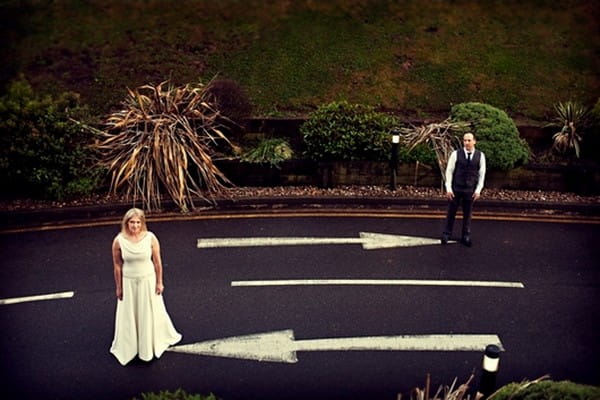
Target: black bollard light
{"points": [[491, 359], [394, 158]]}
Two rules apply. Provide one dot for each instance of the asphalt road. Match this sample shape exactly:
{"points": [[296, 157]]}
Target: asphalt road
{"points": [[58, 348]]}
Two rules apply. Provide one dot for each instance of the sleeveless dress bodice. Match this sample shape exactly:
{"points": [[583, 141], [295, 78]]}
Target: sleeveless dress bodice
{"points": [[137, 256]]}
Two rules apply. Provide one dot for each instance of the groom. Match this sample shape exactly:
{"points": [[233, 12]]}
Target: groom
{"points": [[465, 175]]}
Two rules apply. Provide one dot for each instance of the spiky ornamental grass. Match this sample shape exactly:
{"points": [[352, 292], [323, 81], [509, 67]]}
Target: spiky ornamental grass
{"points": [[164, 140], [441, 137], [444, 392], [571, 117]]}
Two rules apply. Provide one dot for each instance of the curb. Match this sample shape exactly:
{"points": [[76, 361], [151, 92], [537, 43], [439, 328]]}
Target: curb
{"points": [[66, 215]]}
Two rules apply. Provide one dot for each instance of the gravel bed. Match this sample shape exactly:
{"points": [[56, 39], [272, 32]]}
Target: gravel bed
{"points": [[312, 191], [408, 192]]}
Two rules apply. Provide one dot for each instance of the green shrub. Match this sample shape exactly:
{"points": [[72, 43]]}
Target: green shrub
{"points": [[496, 133], [179, 394], [271, 151], [422, 153], [547, 390], [341, 131], [43, 154]]}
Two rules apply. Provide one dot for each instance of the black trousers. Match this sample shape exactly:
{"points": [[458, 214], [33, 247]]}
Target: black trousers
{"points": [[466, 199]]}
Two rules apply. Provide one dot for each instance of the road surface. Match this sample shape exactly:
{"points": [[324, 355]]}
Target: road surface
{"points": [[342, 318]]}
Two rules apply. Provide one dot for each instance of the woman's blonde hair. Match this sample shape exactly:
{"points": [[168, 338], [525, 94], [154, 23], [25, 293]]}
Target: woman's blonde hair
{"points": [[134, 212]]}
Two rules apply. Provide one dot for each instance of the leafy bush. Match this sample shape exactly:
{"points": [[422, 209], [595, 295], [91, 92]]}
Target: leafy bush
{"points": [[341, 131], [540, 390], [179, 394], [496, 133], [421, 153], [42, 152], [272, 151]]}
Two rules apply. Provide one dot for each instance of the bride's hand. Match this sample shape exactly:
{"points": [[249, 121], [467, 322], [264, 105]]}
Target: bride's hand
{"points": [[160, 288]]}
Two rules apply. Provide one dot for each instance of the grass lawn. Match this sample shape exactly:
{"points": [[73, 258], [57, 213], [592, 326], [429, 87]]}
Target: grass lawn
{"points": [[409, 56]]}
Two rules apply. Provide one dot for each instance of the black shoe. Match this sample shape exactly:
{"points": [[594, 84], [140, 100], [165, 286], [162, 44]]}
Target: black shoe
{"points": [[445, 238], [466, 240]]}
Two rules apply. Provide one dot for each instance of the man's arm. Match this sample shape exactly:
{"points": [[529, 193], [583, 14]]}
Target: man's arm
{"points": [[481, 179], [450, 174]]}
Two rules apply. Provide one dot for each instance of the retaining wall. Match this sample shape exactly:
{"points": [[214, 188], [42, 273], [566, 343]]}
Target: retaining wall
{"points": [[583, 180], [306, 172]]}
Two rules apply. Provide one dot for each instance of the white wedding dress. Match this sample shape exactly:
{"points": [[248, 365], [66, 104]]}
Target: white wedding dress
{"points": [[142, 325]]}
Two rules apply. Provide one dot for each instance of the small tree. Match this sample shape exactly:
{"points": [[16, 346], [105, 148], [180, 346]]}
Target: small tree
{"points": [[164, 138], [496, 133]]}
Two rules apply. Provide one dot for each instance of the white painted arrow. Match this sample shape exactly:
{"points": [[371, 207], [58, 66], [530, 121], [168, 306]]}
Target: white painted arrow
{"points": [[40, 297], [281, 346], [369, 241]]}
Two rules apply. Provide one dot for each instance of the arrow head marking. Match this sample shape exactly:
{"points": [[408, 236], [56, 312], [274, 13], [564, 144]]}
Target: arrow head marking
{"points": [[271, 346], [373, 241]]}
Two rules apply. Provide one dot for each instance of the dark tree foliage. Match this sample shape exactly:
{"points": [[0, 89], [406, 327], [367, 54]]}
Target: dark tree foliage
{"points": [[43, 154]]}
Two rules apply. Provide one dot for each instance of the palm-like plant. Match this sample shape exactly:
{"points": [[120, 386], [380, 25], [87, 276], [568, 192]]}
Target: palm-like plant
{"points": [[442, 137], [570, 116], [164, 139]]}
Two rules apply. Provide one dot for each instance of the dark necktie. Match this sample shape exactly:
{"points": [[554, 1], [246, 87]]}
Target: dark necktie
{"points": [[469, 157]]}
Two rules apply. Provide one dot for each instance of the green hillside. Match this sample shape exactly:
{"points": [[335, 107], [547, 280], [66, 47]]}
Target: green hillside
{"points": [[414, 57]]}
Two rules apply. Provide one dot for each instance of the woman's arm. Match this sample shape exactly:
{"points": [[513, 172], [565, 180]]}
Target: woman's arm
{"points": [[156, 259], [118, 268]]}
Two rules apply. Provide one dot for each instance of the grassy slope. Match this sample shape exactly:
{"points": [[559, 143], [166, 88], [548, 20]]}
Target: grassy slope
{"points": [[291, 56]]}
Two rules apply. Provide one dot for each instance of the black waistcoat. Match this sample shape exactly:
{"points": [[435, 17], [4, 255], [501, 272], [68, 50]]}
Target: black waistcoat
{"points": [[466, 174]]}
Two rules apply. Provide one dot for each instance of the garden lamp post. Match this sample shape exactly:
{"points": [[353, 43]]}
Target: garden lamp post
{"points": [[394, 158], [491, 358]]}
